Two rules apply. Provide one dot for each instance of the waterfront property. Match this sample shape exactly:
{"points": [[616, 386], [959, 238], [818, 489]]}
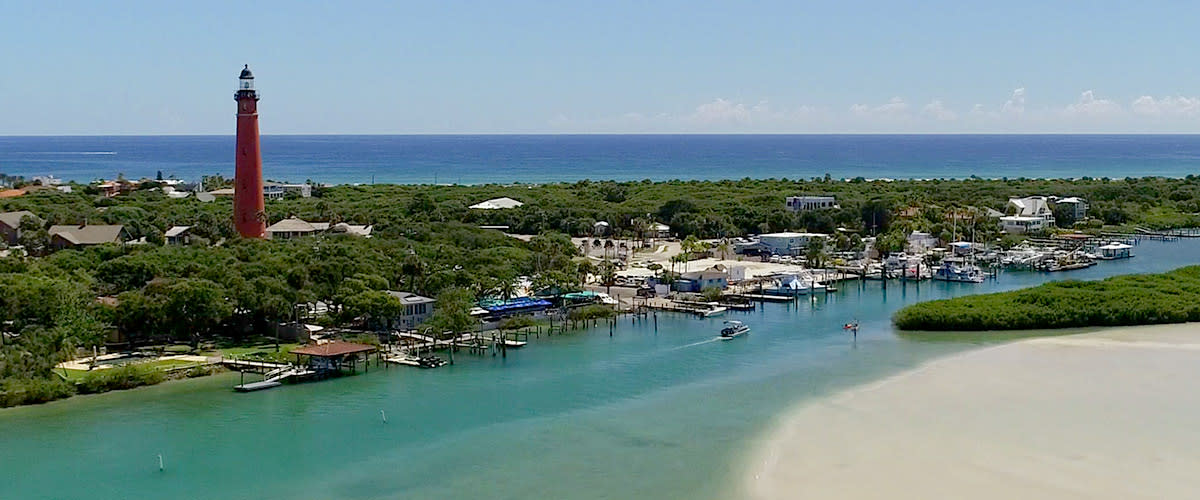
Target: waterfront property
{"points": [[787, 243], [1031, 214], [332, 357], [1075, 206], [417, 310], [806, 203], [1115, 250], [697, 281]]}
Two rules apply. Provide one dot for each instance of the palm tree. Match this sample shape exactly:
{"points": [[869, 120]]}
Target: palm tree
{"points": [[608, 276], [723, 247]]}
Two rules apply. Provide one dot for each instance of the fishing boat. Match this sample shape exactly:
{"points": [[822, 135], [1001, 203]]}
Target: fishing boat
{"points": [[734, 329], [959, 272]]}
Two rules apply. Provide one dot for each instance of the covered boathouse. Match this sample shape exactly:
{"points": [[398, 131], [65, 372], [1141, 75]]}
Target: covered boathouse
{"points": [[332, 357]]}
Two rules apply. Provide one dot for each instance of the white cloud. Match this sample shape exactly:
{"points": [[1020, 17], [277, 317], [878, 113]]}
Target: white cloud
{"points": [[723, 111], [1179, 105], [938, 111], [1016, 103], [1089, 105], [896, 107]]}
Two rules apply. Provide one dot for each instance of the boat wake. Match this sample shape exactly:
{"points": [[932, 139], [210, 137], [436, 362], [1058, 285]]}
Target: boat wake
{"points": [[694, 344]]}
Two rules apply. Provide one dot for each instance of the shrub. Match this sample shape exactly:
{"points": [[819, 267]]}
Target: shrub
{"points": [[1172, 297], [122, 377], [14, 392]]}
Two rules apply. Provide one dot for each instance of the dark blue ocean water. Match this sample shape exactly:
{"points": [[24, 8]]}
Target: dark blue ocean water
{"points": [[550, 158]]}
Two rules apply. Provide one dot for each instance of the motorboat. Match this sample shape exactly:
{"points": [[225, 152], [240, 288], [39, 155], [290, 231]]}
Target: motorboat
{"points": [[958, 272], [734, 329]]}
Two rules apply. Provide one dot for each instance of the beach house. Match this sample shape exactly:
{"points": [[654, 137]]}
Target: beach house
{"points": [[84, 235], [417, 310], [1031, 214], [10, 225], [714, 277], [1074, 206], [787, 243], [293, 227], [178, 235], [277, 190], [496, 204], [806, 203]]}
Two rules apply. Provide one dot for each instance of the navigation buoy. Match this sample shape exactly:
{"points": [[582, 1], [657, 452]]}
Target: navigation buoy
{"points": [[383, 415], [160, 463]]}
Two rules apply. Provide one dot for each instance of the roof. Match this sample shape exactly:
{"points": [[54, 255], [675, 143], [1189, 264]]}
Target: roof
{"points": [[176, 231], [658, 226], [1073, 199], [13, 219], [790, 235], [1115, 246], [88, 235], [221, 192], [12, 193], [410, 298], [1030, 206], [333, 349], [353, 229], [294, 225], [246, 74], [497, 204]]}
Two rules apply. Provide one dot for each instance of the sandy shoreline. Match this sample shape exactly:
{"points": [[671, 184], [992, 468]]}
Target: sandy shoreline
{"points": [[1109, 414]]}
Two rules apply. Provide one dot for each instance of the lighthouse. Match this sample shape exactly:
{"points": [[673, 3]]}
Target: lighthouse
{"points": [[249, 217]]}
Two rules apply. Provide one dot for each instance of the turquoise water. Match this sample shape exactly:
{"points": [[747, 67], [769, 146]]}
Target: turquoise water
{"points": [[642, 414]]}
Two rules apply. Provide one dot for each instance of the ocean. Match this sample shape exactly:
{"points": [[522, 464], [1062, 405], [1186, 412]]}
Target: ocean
{"points": [[481, 159]]}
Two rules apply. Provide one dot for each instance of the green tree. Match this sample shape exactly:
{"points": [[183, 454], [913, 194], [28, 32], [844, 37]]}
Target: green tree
{"points": [[452, 313]]}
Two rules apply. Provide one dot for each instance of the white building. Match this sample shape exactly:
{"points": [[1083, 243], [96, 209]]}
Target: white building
{"points": [[787, 243], [417, 310], [277, 190], [1031, 214], [496, 204], [806, 203]]}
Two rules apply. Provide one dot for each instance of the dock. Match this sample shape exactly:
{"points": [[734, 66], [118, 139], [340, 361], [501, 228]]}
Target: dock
{"points": [[275, 378]]}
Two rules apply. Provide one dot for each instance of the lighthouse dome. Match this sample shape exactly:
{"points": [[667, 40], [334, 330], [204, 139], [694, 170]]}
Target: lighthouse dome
{"points": [[246, 74]]}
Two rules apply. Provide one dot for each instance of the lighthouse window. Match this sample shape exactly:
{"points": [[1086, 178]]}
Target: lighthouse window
{"points": [[246, 84]]}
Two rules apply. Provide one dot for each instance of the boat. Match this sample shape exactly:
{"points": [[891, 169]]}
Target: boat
{"points": [[733, 330], [958, 272]]}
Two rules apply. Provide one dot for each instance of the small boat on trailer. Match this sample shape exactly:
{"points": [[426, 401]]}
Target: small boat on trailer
{"points": [[733, 330]]}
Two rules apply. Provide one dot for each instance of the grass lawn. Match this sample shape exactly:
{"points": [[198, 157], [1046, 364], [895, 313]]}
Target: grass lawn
{"points": [[264, 351]]}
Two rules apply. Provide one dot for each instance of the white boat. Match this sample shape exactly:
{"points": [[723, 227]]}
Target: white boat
{"points": [[733, 330], [958, 272]]}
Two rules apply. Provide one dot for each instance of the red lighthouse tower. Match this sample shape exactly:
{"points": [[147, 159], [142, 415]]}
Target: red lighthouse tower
{"points": [[249, 216]]}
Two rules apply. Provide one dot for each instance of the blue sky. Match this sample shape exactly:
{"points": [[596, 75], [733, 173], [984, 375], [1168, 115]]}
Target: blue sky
{"points": [[612, 66]]}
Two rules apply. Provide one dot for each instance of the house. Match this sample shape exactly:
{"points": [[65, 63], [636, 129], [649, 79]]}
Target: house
{"points": [[1031, 214], [10, 225], [660, 230], [82, 235], [113, 188], [1115, 250], [417, 310], [277, 190], [714, 277], [1076, 206], [496, 204], [806, 203], [178, 235], [293, 227], [787, 243]]}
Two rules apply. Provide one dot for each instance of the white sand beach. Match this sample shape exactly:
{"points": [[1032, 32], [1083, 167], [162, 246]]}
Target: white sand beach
{"points": [[1109, 414]]}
